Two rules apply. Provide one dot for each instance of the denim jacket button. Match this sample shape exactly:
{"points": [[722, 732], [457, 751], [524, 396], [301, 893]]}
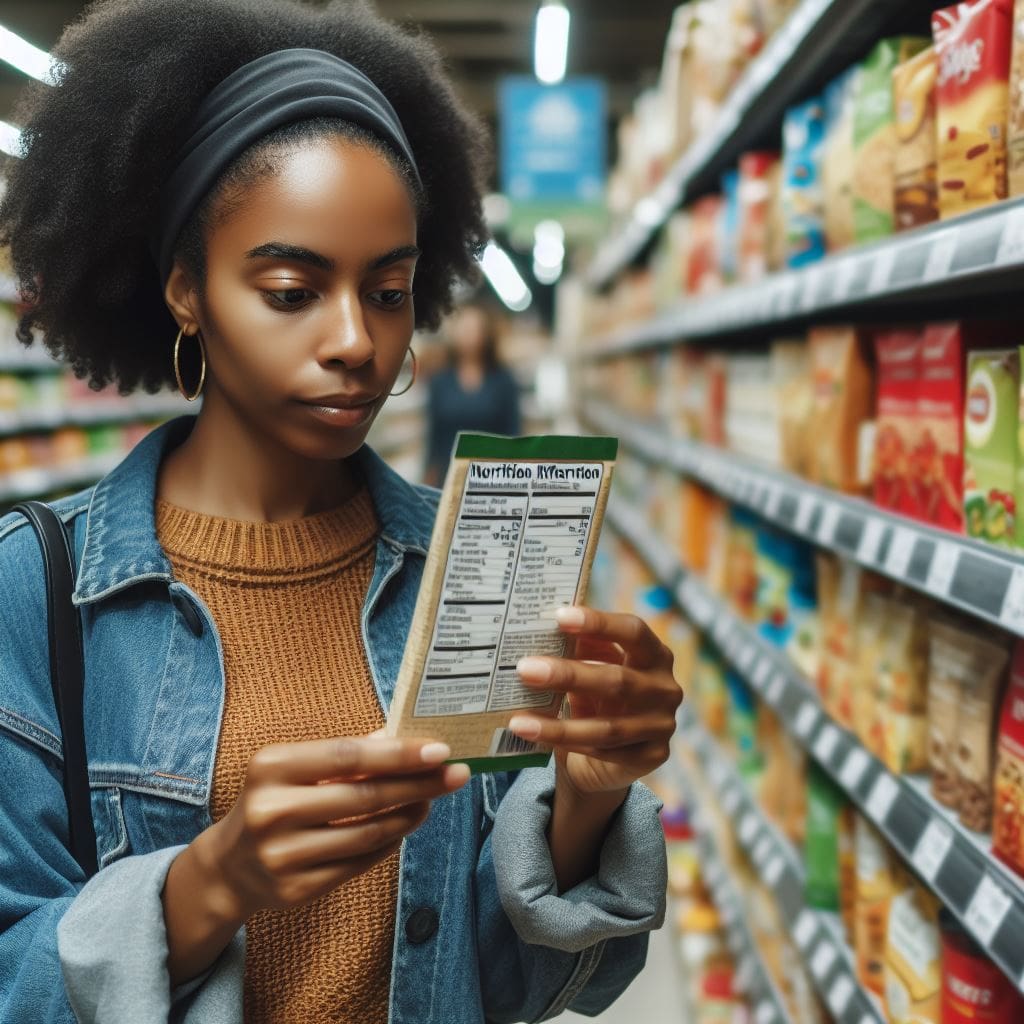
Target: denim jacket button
{"points": [[421, 925], [192, 618]]}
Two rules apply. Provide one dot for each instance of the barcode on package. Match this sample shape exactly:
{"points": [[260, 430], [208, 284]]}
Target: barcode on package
{"points": [[506, 743]]}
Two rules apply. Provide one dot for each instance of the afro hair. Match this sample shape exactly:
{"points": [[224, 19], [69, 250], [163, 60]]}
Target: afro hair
{"points": [[98, 146]]}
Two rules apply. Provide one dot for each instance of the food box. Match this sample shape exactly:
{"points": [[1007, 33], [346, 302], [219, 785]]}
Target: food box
{"points": [[837, 162], [916, 162], [898, 356], [1015, 128], [1008, 803], [803, 198], [990, 445], [972, 43], [874, 137]]}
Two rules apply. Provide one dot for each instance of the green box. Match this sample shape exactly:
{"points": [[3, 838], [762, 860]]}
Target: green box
{"points": [[991, 446]]}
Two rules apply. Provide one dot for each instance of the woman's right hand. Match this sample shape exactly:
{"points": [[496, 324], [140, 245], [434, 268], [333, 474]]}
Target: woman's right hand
{"points": [[310, 816]]}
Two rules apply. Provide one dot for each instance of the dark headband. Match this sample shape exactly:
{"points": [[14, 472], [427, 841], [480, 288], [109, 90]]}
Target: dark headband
{"points": [[277, 89]]}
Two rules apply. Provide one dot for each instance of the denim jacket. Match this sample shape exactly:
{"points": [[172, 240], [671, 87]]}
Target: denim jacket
{"points": [[481, 933]]}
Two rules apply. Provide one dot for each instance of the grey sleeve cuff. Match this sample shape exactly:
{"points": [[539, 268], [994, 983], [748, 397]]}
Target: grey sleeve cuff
{"points": [[112, 944], [625, 897]]}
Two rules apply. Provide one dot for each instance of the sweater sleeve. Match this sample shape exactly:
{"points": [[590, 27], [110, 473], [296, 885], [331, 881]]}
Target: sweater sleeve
{"points": [[543, 952]]}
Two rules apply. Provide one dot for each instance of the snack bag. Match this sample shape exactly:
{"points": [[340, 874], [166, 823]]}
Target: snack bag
{"points": [[972, 43], [913, 954], [900, 719], [791, 377], [898, 356], [1015, 139], [875, 865], [916, 163], [1008, 811], [990, 445], [937, 461], [803, 199], [842, 402], [874, 138], [837, 160]]}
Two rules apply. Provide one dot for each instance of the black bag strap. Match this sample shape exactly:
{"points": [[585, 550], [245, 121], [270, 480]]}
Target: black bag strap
{"points": [[67, 674]]}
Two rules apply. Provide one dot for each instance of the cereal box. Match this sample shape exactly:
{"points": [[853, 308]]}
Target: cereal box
{"points": [[972, 43], [874, 138], [803, 199], [937, 461], [837, 162], [990, 445], [916, 161], [1015, 139], [898, 355], [1008, 809]]}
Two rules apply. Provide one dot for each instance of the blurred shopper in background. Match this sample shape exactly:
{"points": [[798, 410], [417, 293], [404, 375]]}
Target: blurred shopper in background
{"points": [[474, 392]]}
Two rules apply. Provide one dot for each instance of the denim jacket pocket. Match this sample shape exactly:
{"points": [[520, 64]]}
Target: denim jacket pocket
{"points": [[108, 819]]}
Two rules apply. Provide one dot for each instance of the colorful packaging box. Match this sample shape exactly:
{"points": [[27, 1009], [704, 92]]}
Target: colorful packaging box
{"points": [[937, 463], [837, 162], [916, 161], [704, 274], [1015, 128], [898, 357], [990, 445], [972, 43], [803, 197], [758, 177], [1008, 803], [874, 138]]}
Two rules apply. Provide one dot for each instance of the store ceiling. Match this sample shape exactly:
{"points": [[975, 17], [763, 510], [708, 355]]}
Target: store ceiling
{"points": [[482, 40]]}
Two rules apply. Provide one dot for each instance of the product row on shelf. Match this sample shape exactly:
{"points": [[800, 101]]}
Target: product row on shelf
{"points": [[921, 128]]}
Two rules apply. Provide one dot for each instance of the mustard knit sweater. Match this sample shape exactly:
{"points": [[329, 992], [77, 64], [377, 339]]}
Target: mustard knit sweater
{"points": [[286, 598]]}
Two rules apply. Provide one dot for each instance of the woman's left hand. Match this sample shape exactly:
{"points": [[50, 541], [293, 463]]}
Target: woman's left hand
{"points": [[622, 700]]}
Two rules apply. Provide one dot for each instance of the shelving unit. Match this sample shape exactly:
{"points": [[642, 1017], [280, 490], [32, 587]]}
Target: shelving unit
{"points": [[29, 483], [977, 578], [125, 410], [817, 935], [953, 862], [819, 36]]}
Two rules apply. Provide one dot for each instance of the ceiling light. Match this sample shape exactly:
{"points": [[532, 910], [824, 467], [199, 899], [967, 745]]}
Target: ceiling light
{"points": [[548, 251], [21, 54], [499, 269], [551, 43], [10, 139]]}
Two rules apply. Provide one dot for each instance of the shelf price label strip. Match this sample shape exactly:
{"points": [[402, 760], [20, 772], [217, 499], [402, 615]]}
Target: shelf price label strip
{"points": [[983, 894], [987, 583]]}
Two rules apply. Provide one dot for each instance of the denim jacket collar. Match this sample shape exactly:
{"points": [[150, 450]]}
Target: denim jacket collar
{"points": [[121, 546]]}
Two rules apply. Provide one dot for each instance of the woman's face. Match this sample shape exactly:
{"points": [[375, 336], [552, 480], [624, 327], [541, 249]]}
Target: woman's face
{"points": [[308, 297], [469, 333]]}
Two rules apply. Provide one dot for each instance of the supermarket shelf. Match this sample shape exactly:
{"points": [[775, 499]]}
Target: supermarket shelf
{"points": [[123, 410], [977, 578], [29, 362], [817, 935], [820, 37], [946, 263], [30, 483], [752, 977], [955, 863]]}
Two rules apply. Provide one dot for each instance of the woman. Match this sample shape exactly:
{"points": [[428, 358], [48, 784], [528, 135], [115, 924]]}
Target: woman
{"points": [[475, 392], [284, 193]]}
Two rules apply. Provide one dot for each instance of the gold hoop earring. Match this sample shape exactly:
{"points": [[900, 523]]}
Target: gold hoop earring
{"points": [[415, 367], [177, 368]]}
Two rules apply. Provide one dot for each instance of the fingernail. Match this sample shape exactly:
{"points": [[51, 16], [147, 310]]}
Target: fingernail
{"points": [[569, 616], [528, 728], [536, 668], [435, 753]]}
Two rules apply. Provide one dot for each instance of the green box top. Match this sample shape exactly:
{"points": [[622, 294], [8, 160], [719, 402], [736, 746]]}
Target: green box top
{"points": [[489, 446]]}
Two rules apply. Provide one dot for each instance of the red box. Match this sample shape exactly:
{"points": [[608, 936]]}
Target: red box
{"points": [[898, 353]]}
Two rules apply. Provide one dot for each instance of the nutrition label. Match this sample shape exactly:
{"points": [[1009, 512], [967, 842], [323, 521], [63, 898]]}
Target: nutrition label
{"points": [[516, 556]]}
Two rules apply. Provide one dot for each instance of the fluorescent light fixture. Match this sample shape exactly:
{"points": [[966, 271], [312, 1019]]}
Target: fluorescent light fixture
{"points": [[10, 139], [499, 269], [548, 251], [551, 43], [21, 54]]}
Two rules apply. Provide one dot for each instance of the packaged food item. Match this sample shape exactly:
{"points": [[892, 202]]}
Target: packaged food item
{"points": [[837, 160], [848, 869], [898, 357], [972, 44], [711, 696], [825, 802], [758, 178], [974, 989], [1015, 130], [803, 198], [874, 138], [913, 954], [729, 227], [948, 664], [1008, 811], [704, 275], [990, 445], [842, 402], [858, 695], [916, 163], [875, 867], [937, 460]]}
